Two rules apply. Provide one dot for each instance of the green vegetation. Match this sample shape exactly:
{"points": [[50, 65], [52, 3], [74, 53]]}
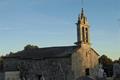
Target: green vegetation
{"points": [[107, 64], [30, 47]]}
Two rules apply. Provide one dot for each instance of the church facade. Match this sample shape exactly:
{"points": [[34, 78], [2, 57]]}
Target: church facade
{"points": [[54, 63]]}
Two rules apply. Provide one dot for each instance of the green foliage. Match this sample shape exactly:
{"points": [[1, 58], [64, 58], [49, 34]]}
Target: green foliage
{"points": [[30, 47], [107, 65], [118, 61], [1, 59], [1, 63], [105, 60]]}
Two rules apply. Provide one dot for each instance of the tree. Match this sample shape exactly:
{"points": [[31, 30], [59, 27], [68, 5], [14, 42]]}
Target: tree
{"points": [[30, 47], [105, 60], [1, 64], [119, 59], [107, 64]]}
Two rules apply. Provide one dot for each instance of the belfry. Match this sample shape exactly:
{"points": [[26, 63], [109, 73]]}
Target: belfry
{"points": [[82, 30]]}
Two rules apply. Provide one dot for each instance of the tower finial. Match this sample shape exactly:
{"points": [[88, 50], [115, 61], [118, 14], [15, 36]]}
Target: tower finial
{"points": [[82, 10], [82, 13], [82, 3]]}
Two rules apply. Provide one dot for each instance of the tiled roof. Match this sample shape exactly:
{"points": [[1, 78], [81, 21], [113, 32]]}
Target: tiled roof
{"points": [[48, 52]]}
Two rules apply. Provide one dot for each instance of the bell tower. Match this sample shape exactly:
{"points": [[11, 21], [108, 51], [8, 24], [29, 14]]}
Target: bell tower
{"points": [[82, 30]]}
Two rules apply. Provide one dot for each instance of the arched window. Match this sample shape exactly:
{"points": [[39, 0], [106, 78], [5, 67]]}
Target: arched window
{"points": [[83, 34], [86, 34], [78, 33]]}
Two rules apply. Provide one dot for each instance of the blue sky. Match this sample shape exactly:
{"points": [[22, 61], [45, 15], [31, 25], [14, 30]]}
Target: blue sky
{"points": [[52, 23]]}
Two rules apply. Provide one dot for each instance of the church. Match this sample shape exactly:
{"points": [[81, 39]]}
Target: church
{"points": [[54, 63]]}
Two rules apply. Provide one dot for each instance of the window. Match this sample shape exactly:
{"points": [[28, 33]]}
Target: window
{"points": [[78, 33], [86, 35], [83, 36]]}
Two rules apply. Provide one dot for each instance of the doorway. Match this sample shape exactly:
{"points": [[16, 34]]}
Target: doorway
{"points": [[87, 71]]}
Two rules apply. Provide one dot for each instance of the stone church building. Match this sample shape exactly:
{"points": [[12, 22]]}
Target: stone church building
{"points": [[54, 63]]}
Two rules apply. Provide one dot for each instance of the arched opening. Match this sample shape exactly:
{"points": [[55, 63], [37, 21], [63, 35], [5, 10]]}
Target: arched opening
{"points": [[87, 35], [83, 35], [87, 71]]}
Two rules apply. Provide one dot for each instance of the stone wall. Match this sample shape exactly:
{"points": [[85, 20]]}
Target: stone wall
{"points": [[82, 59], [49, 68]]}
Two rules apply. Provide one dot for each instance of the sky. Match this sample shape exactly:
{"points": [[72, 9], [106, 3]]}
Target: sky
{"points": [[47, 23]]}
